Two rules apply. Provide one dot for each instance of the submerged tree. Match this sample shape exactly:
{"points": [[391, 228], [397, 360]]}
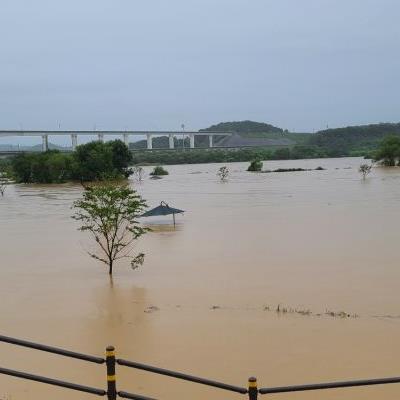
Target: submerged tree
{"points": [[388, 152], [255, 166], [138, 173], [3, 180], [3, 185], [365, 169], [223, 173], [158, 170], [109, 212]]}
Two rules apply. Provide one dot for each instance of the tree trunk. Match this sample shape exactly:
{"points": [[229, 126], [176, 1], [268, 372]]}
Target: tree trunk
{"points": [[110, 269]]}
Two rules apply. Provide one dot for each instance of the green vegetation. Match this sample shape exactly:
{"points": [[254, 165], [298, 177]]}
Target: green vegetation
{"points": [[295, 169], [215, 155], [99, 161], [388, 152], [243, 127], [90, 162], [49, 167], [109, 212], [255, 166], [158, 171], [353, 140], [349, 141]]}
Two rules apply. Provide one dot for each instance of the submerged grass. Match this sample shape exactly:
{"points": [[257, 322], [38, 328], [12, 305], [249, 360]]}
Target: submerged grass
{"points": [[282, 309]]}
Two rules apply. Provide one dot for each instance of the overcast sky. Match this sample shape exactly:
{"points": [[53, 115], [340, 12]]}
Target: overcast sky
{"points": [[155, 64]]}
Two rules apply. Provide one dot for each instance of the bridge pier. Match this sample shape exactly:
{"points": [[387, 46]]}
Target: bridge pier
{"points": [[171, 141], [210, 140], [191, 137], [149, 141], [126, 139], [45, 142], [100, 137], [74, 141]]}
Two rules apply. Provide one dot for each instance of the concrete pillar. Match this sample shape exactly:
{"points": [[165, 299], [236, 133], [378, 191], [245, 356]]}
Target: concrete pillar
{"points": [[74, 141], [149, 142], [171, 141], [210, 140], [191, 141], [126, 139], [100, 137], [45, 142]]}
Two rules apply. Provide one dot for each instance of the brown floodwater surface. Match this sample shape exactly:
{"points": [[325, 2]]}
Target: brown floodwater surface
{"points": [[205, 300]]}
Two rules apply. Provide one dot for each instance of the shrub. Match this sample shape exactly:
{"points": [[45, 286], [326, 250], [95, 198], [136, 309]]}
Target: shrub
{"points": [[158, 170], [49, 167], [255, 166], [389, 151], [223, 173], [365, 169], [94, 161]]}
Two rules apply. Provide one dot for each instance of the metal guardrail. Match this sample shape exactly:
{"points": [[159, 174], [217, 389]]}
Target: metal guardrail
{"points": [[54, 382], [180, 375], [50, 349], [112, 394], [329, 385]]}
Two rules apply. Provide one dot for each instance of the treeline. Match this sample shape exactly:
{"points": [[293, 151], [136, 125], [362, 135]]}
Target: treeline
{"points": [[199, 156], [353, 140], [90, 162]]}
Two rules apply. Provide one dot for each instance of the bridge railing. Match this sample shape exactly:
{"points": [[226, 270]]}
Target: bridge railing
{"points": [[251, 391]]}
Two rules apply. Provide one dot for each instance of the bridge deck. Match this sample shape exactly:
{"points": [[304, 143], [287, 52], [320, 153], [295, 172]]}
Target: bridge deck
{"points": [[4, 133]]}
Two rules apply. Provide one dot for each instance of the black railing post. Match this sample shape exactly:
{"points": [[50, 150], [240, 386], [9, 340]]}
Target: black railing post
{"points": [[253, 390], [111, 382]]}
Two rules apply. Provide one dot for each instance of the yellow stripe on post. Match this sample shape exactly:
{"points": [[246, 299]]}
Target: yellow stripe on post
{"points": [[253, 391], [111, 379]]}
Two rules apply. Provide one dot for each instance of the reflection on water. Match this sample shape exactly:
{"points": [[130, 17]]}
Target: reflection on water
{"points": [[315, 240]]}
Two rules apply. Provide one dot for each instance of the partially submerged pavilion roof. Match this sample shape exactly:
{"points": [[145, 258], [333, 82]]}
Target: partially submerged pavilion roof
{"points": [[162, 209]]}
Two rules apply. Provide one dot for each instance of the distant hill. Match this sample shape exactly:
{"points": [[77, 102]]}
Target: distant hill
{"points": [[353, 140], [244, 134], [243, 127], [36, 147]]}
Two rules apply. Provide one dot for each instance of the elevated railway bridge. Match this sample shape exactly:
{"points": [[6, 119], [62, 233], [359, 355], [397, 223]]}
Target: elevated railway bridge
{"points": [[125, 135]]}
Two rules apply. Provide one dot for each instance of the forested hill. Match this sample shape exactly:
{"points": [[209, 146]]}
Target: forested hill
{"points": [[349, 141], [243, 127], [353, 140]]}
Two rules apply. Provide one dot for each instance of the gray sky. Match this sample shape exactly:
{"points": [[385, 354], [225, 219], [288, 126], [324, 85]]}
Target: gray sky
{"points": [[154, 64]]}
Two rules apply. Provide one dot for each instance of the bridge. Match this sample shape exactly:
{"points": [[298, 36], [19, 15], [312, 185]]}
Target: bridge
{"points": [[124, 134]]}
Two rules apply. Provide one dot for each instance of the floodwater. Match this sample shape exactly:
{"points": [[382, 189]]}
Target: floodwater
{"points": [[205, 300]]}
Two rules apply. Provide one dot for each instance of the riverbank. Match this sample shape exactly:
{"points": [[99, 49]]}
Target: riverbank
{"points": [[220, 155]]}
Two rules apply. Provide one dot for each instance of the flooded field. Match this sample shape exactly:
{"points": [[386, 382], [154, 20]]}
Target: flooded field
{"points": [[314, 243]]}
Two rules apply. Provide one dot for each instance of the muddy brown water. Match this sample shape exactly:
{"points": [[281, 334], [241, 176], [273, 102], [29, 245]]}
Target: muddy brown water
{"points": [[317, 240]]}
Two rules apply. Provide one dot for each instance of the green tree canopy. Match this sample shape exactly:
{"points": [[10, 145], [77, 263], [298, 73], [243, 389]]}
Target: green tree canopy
{"points": [[388, 152], [109, 213]]}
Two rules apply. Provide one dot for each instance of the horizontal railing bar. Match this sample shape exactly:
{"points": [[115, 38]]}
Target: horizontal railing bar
{"points": [[126, 395], [329, 385], [54, 382], [50, 349], [182, 376]]}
